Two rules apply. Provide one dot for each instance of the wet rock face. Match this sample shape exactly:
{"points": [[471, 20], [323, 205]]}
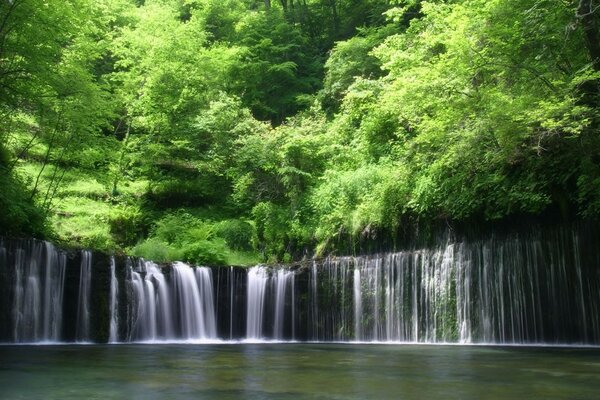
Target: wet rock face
{"points": [[527, 286], [5, 296]]}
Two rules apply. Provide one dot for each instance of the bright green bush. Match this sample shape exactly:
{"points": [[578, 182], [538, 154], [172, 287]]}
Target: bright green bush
{"points": [[238, 234], [205, 252], [181, 236], [156, 250], [272, 228], [126, 225], [171, 227]]}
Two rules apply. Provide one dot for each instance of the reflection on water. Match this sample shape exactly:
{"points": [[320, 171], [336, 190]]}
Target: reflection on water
{"points": [[297, 371]]}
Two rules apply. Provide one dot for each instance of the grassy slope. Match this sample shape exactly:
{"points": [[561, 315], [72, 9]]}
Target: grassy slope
{"points": [[84, 213]]}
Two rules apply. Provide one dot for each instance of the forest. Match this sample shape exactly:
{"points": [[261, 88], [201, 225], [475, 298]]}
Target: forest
{"points": [[244, 131]]}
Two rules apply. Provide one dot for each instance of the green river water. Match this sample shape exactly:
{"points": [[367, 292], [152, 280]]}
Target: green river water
{"points": [[297, 371]]}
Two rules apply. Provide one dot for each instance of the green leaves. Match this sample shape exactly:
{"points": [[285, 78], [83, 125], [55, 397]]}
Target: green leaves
{"points": [[277, 66], [279, 130], [183, 236]]}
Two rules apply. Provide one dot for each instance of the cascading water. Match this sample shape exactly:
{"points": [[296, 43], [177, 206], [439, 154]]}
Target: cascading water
{"points": [[152, 311], [173, 306], [83, 304], [490, 292], [53, 292], [538, 287], [293, 305], [114, 303], [205, 284], [38, 292], [271, 300], [314, 301], [257, 285], [282, 279], [196, 320], [357, 305], [332, 288], [236, 300]]}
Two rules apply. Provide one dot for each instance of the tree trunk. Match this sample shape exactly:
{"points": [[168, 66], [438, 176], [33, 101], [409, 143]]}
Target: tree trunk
{"points": [[267, 4], [47, 156], [120, 165]]}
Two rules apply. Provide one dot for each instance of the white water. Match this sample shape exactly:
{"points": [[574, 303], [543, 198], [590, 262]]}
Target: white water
{"points": [[271, 300], [283, 278], [196, 319], [205, 284], [257, 284], [146, 302], [493, 292], [314, 301], [38, 293], [179, 308], [53, 292], [357, 305], [114, 303]]}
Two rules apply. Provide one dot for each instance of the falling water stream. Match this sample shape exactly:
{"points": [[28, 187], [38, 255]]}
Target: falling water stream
{"points": [[509, 290], [38, 292], [177, 305], [258, 278], [114, 303]]}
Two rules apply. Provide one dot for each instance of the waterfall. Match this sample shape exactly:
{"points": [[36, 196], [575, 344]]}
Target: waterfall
{"points": [[205, 284], [158, 303], [332, 287], [188, 300], [490, 292], [283, 278], [163, 299], [229, 300], [53, 293], [535, 286], [182, 308], [83, 303], [257, 284], [114, 303], [314, 301], [27, 295], [196, 319], [38, 292], [271, 300], [232, 288], [137, 304], [293, 305], [357, 305]]}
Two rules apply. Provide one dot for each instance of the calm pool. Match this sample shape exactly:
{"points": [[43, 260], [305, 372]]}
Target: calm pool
{"points": [[297, 371]]}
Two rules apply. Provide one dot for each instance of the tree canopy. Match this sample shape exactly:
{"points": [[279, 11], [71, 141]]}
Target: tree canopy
{"points": [[242, 130]]}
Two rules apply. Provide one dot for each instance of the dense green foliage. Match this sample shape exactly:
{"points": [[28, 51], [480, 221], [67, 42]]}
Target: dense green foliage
{"points": [[230, 131]]}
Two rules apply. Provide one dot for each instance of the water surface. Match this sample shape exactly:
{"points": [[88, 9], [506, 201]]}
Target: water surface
{"points": [[297, 371]]}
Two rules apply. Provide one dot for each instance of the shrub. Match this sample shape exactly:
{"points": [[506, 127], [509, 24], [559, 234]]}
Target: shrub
{"points": [[156, 250], [238, 234], [20, 215], [126, 225], [205, 252]]}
